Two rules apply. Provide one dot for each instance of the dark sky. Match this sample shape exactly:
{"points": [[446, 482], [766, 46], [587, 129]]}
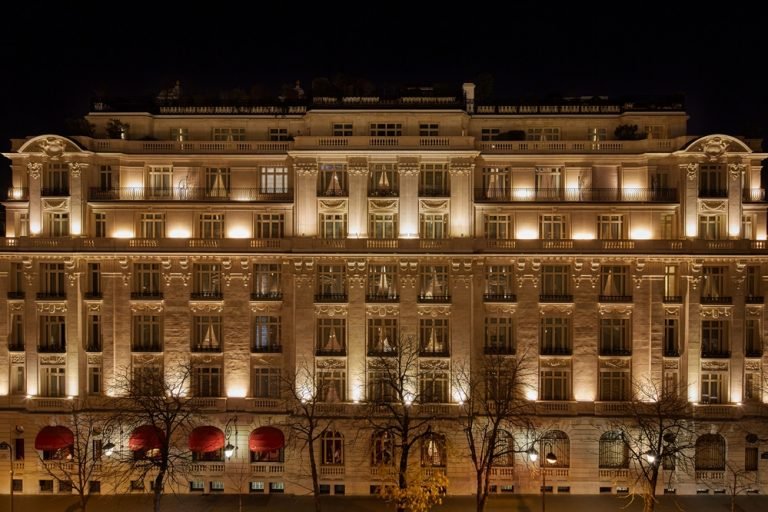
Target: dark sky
{"points": [[56, 59]]}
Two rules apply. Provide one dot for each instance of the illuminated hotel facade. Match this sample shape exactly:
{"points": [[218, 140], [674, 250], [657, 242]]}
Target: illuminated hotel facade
{"points": [[246, 241]]}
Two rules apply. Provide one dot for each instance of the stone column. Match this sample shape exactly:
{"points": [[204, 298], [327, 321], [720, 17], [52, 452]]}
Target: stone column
{"points": [[35, 170], [409, 197], [357, 169], [461, 197], [735, 173], [356, 329], [305, 197], [689, 189], [76, 214]]}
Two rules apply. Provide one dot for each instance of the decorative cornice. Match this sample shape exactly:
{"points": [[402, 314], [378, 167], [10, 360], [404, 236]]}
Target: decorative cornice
{"points": [[357, 166], [461, 167], [561, 309], [615, 363], [501, 309], [720, 366], [615, 309], [52, 359], [408, 167], [266, 307], [554, 362]]}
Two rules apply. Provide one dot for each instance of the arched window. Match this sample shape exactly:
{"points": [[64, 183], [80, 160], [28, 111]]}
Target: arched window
{"points": [[556, 442], [146, 442], [266, 444], [710, 453], [56, 443], [433, 453], [207, 444], [614, 453], [505, 449], [382, 449], [332, 449]]}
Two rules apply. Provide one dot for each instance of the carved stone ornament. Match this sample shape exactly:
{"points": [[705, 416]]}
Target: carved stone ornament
{"points": [[144, 306], [501, 309], [52, 359], [433, 311], [305, 167], [51, 307], [554, 363], [357, 166], [752, 365], [18, 358], [691, 170], [714, 366], [461, 166], [207, 307], [75, 168], [93, 307], [556, 309], [735, 170], [716, 311], [433, 364], [331, 363], [16, 306], [755, 310], [672, 311], [303, 280], [714, 148], [331, 310], [408, 167], [34, 169], [614, 363], [382, 310], [615, 309], [356, 281], [94, 359], [460, 280], [53, 147], [265, 307], [671, 364]]}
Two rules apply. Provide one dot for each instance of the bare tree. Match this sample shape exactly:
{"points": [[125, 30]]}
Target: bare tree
{"points": [[307, 425], [395, 386], [160, 403], [84, 461], [494, 414], [657, 432], [239, 474]]}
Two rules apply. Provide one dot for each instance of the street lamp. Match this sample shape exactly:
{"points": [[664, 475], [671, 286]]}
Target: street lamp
{"points": [[6, 446], [109, 448], [229, 449], [551, 459]]}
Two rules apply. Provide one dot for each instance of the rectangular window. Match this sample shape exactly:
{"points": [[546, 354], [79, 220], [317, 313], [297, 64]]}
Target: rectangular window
{"points": [[266, 282], [614, 385], [273, 180], [53, 333], [488, 134], [18, 379], [713, 286], [498, 227], [714, 338], [332, 384], [712, 226], [332, 283], [380, 387], [752, 386], [93, 335], [53, 280], [22, 228], [210, 226], [610, 227], [107, 179], [333, 225], [57, 223], [671, 384], [279, 134], [434, 334], [655, 131], [55, 179], [552, 227], [94, 380], [433, 181], [750, 458], [433, 385], [671, 337], [712, 182], [752, 283], [428, 129], [46, 486], [276, 487], [555, 384], [555, 335], [499, 335], [93, 283], [615, 334], [382, 336], [207, 283], [217, 486], [434, 284], [549, 183], [229, 134], [748, 227], [382, 283], [160, 182], [217, 180], [270, 225], [753, 340], [266, 334], [614, 283], [341, 129], [433, 226], [383, 181], [671, 284], [152, 225], [53, 381], [16, 333], [207, 333], [714, 387], [543, 134], [595, 134], [554, 280], [382, 226], [196, 486], [179, 134], [331, 336], [497, 183], [147, 379], [266, 382], [207, 381], [386, 130], [100, 225], [501, 384], [332, 180], [147, 331], [499, 282], [16, 281], [257, 487], [146, 280]]}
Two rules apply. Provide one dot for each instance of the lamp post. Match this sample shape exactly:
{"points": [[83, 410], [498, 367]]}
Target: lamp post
{"points": [[551, 459], [6, 446], [229, 449]]}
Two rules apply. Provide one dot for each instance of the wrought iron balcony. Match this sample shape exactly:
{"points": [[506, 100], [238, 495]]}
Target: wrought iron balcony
{"points": [[266, 295], [94, 346], [713, 192], [555, 298], [754, 299], [271, 348], [499, 297], [93, 295], [146, 295], [753, 352], [615, 351], [54, 191], [585, 194], [439, 299], [382, 352], [671, 352], [673, 299], [146, 347], [753, 195], [436, 352], [16, 346], [377, 297], [716, 300], [18, 194], [331, 297], [499, 350], [206, 347], [188, 194], [715, 353], [378, 192], [16, 295], [208, 295], [434, 191], [555, 351], [615, 298], [52, 348], [51, 296], [337, 352]]}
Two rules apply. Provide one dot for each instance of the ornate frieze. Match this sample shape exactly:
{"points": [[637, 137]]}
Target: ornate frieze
{"points": [[556, 309], [146, 307], [265, 307], [715, 312], [52, 359], [305, 167], [207, 307], [735, 170], [18, 358], [433, 311], [615, 309], [382, 310], [461, 166], [52, 147], [714, 366], [691, 170], [408, 167], [615, 363], [357, 166], [554, 362], [51, 307], [501, 309], [671, 364], [331, 310]]}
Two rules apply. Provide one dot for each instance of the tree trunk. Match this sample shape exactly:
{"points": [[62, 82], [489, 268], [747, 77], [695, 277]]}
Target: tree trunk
{"points": [[649, 499], [83, 500], [313, 469], [481, 491], [158, 491], [402, 481]]}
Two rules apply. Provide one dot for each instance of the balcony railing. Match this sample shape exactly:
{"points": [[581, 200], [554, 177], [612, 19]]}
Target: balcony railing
{"points": [[555, 351], [592, 195], [266, 349], [52, 348], [754, 299], [15, 346], [615, 351], [673, 299], [217, 295], [578, 146], [92, 295], [499, 297], [434, 192], [54, 191], [148, 347], [671, 352], [187, 194], [401, 142], [439, 299], [376, 297], [206, 347], [94, 346], [615, 298], [331, 352], [753, 352], [51, 296], [379, 192], [146, 295], [434, 352], [331, 297], [169, 146], [715, 353], [548, 297], [716, 300], [382, 352], [499, 350], [16, 295], [713, 192], [266, 295], [753, 195], [18, 194]]}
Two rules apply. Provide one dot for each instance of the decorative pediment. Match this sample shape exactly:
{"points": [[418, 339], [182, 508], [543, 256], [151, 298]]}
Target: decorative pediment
{"points": [[50, 146], [716, 147]]}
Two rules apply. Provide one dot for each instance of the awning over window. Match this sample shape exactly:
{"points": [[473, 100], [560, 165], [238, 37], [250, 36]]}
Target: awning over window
{"points": [[54, 438], [206, 439], [145, 438], [266, 439]]}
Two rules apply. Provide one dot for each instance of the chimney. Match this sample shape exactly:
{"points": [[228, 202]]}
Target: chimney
{"points": [[469, 96]]}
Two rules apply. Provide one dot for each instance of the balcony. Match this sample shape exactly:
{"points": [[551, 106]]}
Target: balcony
{"points": [[376, 297], [590, 195], [18, 194], [146, 347], [753, 352], [753, 195], [272, 348], [16, 295], [331, 352], [499, 350], [434, 352], [331, 297], [499, 297], [94, 346], [718, 301], [52, 348], [15, 346], [434, 299], [266, 296], [575, 146], [183, 147], [714, 353], [615, 351], [555, 298], [382, 351], [750, 299], [673, 299], [400, 143], [615, 298], [146, 295], [206, 348], [555, 351], [713, 192], [332, 193], [209, 295], [671, 352], [54, 191], [51, 296], [434, 192], [93, 295], [381, 192], [188, 194]]}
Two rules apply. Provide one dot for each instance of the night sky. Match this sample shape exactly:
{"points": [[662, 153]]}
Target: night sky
{"points": [[55, 60]]}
